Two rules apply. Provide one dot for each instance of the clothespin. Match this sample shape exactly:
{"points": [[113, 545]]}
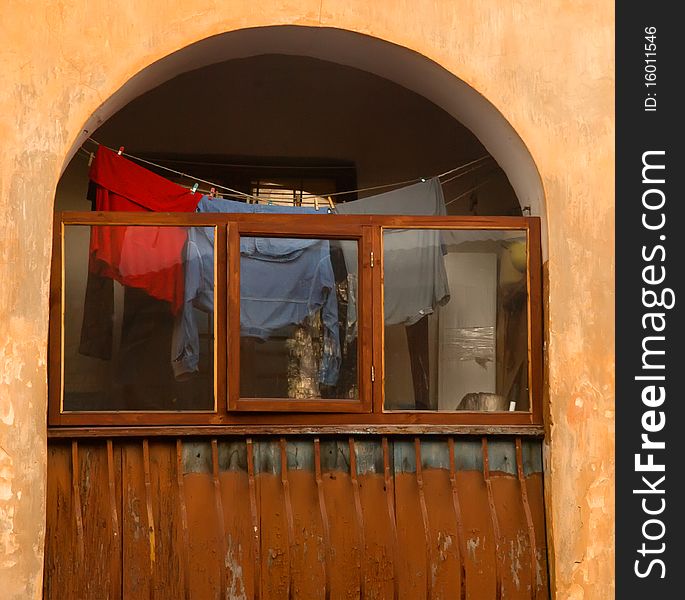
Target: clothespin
{"points": [[194, 188], [331, 206], [316, 202], [90, 159], [121, 149], [212, 192]]}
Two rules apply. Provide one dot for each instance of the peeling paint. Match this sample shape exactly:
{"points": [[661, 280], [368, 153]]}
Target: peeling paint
{"points": [[7, 414], [517, 549], [8, 543], [6, 475], [471, 547], [236, 585], [444, 544]]}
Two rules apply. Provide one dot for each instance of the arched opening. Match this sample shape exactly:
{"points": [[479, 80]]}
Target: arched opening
{"points": [[292, 110], [386, 60], [330, 106]]}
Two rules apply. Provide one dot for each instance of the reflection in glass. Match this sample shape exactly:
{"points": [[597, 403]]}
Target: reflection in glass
{"points": [[456, 320], [126, 302], [298, 318]]}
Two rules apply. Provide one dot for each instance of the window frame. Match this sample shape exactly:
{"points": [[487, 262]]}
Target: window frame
{"points": [[245, 415], [298, 226]]}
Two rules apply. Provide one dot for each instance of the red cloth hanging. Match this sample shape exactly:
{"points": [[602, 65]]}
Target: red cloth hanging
{"points": [[145, 257]]}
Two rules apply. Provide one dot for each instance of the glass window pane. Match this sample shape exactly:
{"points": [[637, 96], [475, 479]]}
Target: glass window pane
{"points": [[298, 327], [138, 318], [455, 320]]}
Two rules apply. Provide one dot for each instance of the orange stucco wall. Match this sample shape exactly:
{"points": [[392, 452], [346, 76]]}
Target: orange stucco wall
{"points": [[548, 67]]}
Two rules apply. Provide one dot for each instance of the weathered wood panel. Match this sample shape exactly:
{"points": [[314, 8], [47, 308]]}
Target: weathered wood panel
{"points": [[277, 518]]}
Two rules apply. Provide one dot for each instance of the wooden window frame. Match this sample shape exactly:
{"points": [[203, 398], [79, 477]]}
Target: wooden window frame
{"points": [[240, 415], [299, 226]]}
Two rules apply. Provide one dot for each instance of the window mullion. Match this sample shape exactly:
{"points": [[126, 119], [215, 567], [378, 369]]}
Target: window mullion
{"points": [[220, 316], [375, 293], [232, 342]]}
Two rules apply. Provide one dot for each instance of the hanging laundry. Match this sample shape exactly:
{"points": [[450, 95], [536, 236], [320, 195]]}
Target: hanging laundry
{"points": [[122, 185], [415, 280], [282, 282], [143, 257], [125, 185]]}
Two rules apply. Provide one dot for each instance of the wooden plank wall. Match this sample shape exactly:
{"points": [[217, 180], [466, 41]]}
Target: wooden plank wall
{"points": [[275, 518]]}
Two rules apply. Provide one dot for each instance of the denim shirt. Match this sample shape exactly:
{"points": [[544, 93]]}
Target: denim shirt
{"points": [[282, 281]]}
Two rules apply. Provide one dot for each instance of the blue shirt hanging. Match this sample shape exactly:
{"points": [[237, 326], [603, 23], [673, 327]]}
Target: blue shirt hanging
{"points": [[282, 282]]}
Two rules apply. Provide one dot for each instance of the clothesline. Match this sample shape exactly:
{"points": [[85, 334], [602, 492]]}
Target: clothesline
{"points": [[469, 191], [205, 163], [181, 174], [476, 164]]}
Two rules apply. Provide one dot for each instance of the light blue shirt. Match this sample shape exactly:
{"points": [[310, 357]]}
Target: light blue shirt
{"points": [[414, 276], [282, 282]]}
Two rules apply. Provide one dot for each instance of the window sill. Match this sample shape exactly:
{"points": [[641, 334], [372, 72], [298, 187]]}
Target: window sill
{"points": [[360, 429]]}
